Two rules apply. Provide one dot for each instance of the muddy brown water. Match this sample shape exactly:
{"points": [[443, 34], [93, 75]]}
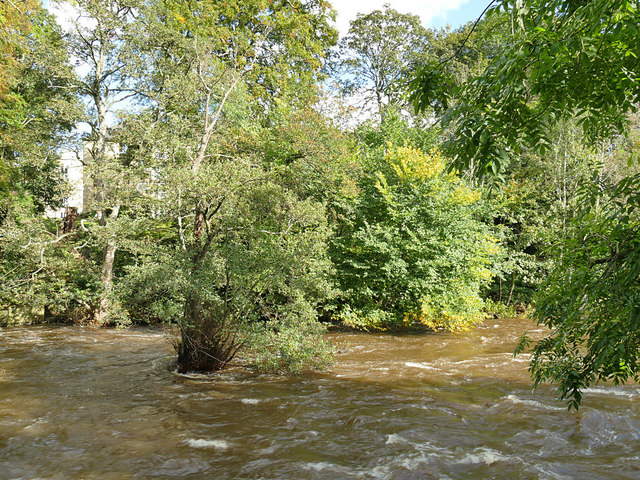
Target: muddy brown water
{"points": [[94, 404]]}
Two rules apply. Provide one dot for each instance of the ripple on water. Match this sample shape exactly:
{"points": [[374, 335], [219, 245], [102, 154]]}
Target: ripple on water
{"points": [[626, 392], [601, 430], [516, 400], [422, 365], [179, 468]]}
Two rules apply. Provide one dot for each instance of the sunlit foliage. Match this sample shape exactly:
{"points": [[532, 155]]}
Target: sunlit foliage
{"points": [[410, 249]]}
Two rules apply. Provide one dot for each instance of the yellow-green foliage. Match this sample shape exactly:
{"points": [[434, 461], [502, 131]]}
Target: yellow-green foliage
{"points": [[412, 251], [410, 163]]}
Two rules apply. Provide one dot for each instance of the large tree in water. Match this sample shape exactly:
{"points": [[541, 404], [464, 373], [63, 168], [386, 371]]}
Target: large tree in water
{"points": [[213, 73]]}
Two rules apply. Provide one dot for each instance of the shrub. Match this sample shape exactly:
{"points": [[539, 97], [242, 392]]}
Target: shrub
{"points": [[410, 249]]}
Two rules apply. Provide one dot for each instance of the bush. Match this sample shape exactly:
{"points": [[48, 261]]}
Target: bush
{"points": [[43, 271], [409, 248]]}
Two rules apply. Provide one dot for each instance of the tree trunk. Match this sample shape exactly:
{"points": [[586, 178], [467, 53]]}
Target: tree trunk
{"points": [[101, 316], [381, 109], [513, 284], [206, 344], [207, 340], [70, 221], [99, 154]]}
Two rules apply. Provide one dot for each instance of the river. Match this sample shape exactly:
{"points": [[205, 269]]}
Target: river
{"points": [[80, 403]]}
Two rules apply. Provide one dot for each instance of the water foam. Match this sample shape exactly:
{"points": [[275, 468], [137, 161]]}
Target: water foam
{"points": [[532, 403], [424, 366], [612, 391], [250, 401], [488, 456], [393, 438], [202, 443], [326, 466]]}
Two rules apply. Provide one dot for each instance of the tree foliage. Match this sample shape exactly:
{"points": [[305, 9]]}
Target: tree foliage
{"points": [[15, 26], [42, 272], [563, 59], [534, 207], [591, 300], [37, 112], [248, 236], [410, 249], [378, 53]]}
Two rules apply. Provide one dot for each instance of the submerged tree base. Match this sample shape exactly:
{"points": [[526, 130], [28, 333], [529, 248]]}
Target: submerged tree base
{"points": [[205, 348]]}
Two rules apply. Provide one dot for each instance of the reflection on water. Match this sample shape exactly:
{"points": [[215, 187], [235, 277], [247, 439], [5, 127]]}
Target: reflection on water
{"points": [[92, 404]]}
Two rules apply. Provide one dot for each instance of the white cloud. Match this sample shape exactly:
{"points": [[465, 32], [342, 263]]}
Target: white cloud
{"points": [[425, 9]]}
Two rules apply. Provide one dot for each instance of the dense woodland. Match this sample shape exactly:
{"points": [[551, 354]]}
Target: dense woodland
{"points": [[272, 179]]}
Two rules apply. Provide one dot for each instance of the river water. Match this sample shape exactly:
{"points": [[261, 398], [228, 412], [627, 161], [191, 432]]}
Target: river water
{"points": [[99, 404]]}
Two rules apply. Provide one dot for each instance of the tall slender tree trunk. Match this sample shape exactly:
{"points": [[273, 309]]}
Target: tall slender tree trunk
{"points": [[381, 108], [101, 315], [513, 284]]}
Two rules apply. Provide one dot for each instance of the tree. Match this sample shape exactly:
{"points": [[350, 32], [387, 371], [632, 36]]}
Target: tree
{"points": [[378, 52], [15, 26], [37, 111], [39, 268], [464, 52], [590, 300], [564, 59], [209, 71], [534, 207], [97, 40], [42, 272], [409, 248]]}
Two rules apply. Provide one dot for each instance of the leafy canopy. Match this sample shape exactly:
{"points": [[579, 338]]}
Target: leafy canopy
{"points": [[248, 243], [410, 249], [378, 53], [591, 300], [563, 58]]}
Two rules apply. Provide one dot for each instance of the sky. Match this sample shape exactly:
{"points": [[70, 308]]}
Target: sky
{"points": [[434, 13]]}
